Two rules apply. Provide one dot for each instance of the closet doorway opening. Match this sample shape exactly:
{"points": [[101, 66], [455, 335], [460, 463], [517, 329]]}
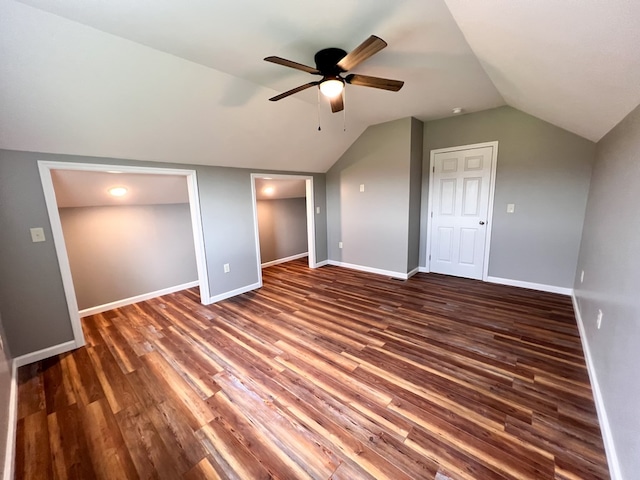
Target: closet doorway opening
{"points": [[168, 198], [284, 219]]}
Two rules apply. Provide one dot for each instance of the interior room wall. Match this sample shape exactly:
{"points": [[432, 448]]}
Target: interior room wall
{"points": [[34, 308], [610, 258], [320, 214], [282, 225], [545, 171], [372, 225], [415, 194], [119, 252], [5, 392]]}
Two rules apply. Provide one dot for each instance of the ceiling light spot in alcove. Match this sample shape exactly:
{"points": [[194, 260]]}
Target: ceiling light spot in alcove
{"points": [[268, 190], [117, 191], [457, 111]]}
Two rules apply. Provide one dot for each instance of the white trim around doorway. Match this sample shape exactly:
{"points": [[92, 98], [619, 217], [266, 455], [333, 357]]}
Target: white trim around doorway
{"points": [[45, 167]]}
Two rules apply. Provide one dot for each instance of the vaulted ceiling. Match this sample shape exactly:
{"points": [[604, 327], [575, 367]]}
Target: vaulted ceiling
{"points": [[184, 82]]}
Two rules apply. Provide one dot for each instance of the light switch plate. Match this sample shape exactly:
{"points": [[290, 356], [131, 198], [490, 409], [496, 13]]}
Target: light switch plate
{"points": [[362, 187], [317, 210], [37, 235], [511, 207]]}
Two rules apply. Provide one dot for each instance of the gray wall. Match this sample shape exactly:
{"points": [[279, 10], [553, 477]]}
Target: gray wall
{"points": [[610, 258], [5, 390], [415, 182], [373, 225], [34, 309], [545, 171], [320, 198], [282, 227], [119, 252]]}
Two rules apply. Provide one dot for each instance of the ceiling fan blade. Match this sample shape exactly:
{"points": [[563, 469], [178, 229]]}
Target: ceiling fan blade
{"points": [[293, 90], [337, 103], [289, 63], [363, 51], [375, 82]]}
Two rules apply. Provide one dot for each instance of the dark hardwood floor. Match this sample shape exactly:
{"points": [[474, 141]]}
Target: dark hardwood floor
{"points": [[325, 373]]}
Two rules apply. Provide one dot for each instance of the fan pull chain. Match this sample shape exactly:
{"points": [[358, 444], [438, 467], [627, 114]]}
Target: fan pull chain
{"points": [[319, 129]]}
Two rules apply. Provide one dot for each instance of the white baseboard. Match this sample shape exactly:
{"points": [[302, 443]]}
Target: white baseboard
{"points": [[232, 293], [413, 272], [138, 298], [13, 397], [44, 353], [12, 423], [284, 260], [607, 437], [533, 286], [423, 269], [321, 264], [378, 271]]}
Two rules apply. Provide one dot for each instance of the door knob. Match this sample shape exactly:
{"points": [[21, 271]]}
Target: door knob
{"points": [[481, 222]]}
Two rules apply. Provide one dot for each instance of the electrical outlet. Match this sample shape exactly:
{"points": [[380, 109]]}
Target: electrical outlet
{"points": [[339, 244], [511, 207], [37, 235], [226, 268], [599, 319], [582, 276]]}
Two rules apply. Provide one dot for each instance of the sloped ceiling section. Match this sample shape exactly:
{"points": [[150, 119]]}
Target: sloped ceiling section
{"points": [[68, 88], [76, 188], [186, 82], [573, 64]]}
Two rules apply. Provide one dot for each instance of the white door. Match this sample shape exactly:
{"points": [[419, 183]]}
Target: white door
{"points": [[459, 211]]}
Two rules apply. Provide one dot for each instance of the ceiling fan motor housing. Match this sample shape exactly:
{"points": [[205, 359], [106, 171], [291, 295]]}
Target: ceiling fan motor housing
{"points": [[327, 60]]}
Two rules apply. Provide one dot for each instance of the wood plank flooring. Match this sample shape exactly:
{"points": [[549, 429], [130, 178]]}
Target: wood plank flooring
{"points": [[325, 373]]}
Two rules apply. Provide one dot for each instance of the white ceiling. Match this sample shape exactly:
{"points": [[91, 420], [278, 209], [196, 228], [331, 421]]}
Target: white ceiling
{"points": [[280, 188], [573, 64], [76, 188], [185, 82]]}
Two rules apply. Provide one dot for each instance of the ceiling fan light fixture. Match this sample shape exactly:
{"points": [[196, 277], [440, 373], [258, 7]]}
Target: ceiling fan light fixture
{"points": [[331, 86]]}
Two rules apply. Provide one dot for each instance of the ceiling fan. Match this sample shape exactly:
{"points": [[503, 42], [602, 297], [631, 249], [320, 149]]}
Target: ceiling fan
{"points": [[331, 63]]}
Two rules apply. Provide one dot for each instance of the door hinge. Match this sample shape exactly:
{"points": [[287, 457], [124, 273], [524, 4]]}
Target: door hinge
{"points": [[431, 214], [429, 257], [433, 169]]}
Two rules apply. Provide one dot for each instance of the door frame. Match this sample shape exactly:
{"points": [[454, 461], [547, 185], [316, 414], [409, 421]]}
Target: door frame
{"points": [[492, 190], [311, 218], [45, 167]]}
